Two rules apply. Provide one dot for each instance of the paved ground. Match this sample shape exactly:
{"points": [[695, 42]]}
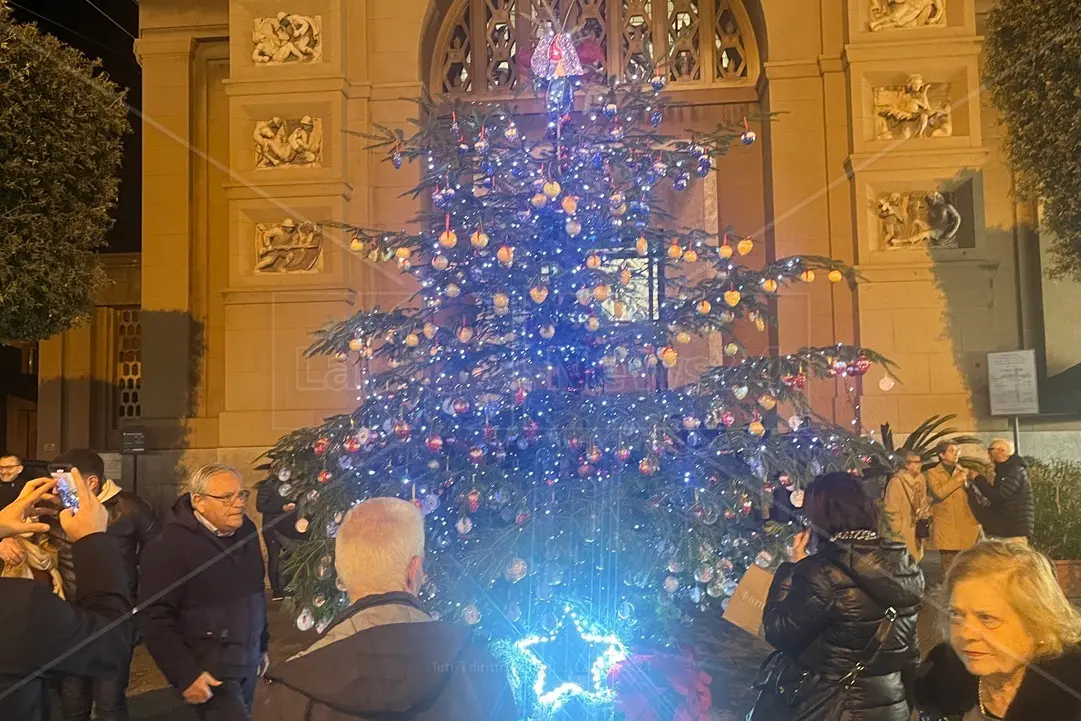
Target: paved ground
{"points": [[730, 655]]}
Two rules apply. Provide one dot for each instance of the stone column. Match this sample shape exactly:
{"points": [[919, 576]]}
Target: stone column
{"points": [[166, 60], [916, 130], [806, 185], [291, 171]]}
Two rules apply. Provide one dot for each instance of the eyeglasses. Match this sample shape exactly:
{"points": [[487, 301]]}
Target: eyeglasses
{"points": [[229, 498], [10, 468]]}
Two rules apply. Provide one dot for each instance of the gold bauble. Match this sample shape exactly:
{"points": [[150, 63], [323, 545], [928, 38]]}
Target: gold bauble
{"points": [[570, 205], [725, 251], [642, 245], [505, 255], [836, 276], [552, 188], [358, 246], [547, 332], [500, 300], [769, 285], [593, 261], [807, 276], [731, 349], [668, 356], [683, 337], [584, 295], [453, 291], [704, 307], [617, 309], [465, 334], [403, 253], [767, 401], [691, 255], [745, 246], [602, 292], [573, 227], [592, 323], [440, 262], [430, 330], [732, 297], [479, 239], [675, 252], [539, 200], [412, 340], [356, 345], [756, 428], [448, 239], [538, 293], [625, 276]]}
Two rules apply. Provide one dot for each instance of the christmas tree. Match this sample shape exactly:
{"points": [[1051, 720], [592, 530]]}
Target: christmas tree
{"points": [[580, 507]]}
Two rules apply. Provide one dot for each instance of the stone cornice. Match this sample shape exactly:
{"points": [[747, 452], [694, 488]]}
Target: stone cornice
{"points": [[287, 294], [904, 159], [923, 49], [792, 69], [287, 186]]}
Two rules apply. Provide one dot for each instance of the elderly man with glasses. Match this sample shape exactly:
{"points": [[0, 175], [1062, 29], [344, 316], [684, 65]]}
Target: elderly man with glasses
{"points": [[202, 602]]}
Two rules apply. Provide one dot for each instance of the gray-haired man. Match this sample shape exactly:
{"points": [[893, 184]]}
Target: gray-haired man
{"points": [[202, 607]]}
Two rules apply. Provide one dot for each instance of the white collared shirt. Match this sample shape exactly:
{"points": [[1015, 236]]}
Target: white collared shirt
{"points": [[210, 526]]}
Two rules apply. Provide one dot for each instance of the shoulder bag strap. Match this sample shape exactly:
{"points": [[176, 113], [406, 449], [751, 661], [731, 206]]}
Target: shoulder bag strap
{"points": [[911, 502], [874, 647]]}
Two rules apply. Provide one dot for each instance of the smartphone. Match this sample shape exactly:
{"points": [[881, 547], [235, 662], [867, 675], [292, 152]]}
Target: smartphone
{"points": [[65, 486]]}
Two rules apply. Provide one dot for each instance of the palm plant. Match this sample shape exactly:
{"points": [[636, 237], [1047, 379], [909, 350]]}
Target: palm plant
{"points": [[924, 440]]}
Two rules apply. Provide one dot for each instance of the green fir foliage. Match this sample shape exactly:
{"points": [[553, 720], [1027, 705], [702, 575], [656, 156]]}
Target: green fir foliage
{"points": [[61, 128], [1056, 490]]}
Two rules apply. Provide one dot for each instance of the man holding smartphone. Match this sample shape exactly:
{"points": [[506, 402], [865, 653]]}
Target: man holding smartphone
{"points": [[42, 635], [133, 523]]}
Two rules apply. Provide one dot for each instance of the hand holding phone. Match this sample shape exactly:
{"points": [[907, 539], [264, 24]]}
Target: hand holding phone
{"points": [[92, 516], [65, 487]]}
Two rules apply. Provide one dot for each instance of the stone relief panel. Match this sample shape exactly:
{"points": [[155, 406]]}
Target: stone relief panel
{"points": [[288, 39], [913, 110], [288, 143], [287, 247], [903, 14], [918, 220]]}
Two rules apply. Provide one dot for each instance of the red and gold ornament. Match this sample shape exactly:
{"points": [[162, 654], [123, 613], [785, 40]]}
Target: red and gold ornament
{"points": [[322, 446], [324, 476], [434, 443], [401, 429]]}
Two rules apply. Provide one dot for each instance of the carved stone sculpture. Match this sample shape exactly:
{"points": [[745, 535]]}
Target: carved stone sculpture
{"points": [[288, 39], [286, 247], [296, 144], [913, 220], [913, 111], [896, 14]]}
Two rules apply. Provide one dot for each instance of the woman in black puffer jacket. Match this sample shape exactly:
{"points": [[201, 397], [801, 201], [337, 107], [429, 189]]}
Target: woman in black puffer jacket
{"points": [[824, 609]]}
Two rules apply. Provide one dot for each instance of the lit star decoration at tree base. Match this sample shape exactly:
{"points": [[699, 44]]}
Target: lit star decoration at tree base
{"points": [[525, 664]]}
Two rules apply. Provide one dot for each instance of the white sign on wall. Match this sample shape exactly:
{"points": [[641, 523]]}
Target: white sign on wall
{"points": [[1012, 383], [112, 466]]}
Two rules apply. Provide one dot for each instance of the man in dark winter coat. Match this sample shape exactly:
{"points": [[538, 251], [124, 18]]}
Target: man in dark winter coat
{"points": [[40, 633], [386, 657], [202, 601], [1012, 515], [279, 529], [133, 523]]}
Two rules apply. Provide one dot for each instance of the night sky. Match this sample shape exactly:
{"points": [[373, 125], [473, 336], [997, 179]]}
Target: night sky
{"points": [[82, 25]]}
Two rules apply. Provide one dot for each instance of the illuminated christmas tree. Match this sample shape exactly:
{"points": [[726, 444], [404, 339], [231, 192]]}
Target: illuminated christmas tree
{"points": [[523, 401]]}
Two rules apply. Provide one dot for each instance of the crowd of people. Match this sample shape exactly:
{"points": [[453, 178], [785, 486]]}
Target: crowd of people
{"points": [[842, 612], [69, 618], [844, 618]]}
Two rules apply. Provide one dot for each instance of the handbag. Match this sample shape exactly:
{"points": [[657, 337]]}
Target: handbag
{"points": [[782, 686], [923, 525]]}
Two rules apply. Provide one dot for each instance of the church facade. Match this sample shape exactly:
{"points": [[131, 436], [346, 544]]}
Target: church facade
{"points": [[882, 152]]}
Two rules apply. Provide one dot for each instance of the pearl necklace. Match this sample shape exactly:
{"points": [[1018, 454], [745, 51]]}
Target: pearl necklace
{"points": [[979, 699]]}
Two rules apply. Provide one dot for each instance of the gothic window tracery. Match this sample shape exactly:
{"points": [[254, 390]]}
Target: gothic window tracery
{"points": [[483, 46]]}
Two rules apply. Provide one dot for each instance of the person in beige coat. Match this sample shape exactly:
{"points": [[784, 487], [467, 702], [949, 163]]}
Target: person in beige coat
{"points": [[905, 503], [953, 526]]}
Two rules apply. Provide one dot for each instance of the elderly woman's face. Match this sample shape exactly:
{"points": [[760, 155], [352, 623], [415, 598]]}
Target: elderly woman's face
{"points": [[985, 630]]}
